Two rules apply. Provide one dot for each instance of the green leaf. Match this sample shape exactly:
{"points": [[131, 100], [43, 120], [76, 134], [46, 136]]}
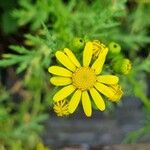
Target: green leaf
{"points": [[19, 49]]}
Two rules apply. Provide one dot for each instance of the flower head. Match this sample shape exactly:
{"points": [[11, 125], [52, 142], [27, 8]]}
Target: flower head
{"points": [[84, 81], [98, 47], [61, 108], [117, 93]]}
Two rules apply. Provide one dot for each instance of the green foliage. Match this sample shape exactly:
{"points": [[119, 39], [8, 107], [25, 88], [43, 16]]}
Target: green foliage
{"points": [[142, 132], [53, 25], [18, 123], [8, 23], [32, 63], [32, 12]]}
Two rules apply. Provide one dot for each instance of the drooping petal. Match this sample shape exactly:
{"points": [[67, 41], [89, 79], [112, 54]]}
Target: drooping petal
{"points": [[72, 57], [99, 62], [87, 53], [60, 71], [98, 100], [105, 90], [74, 102], [64, 60], [117, 93], [63, 93], [86, 103], [108, 79], [60, 81]]}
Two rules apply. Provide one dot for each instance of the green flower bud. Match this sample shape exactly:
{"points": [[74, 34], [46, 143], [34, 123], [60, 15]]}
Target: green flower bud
{"points": [[126, 66], [78, 44], [122, 66], [114, 48]]}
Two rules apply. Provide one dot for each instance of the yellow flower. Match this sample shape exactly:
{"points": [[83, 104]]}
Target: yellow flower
{"points": [[117, 93], [83, 81], [61, 108], [98, 47]]}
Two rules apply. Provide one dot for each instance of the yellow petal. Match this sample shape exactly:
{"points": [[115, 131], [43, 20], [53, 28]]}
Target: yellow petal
{"points": [[87, 53], [99, 62], [64, 60], [60, 81], [105, 90], [108, 79], [74, 102], [72, 57], [86, 103], [60, 71], [98, 100], [63, 93]]}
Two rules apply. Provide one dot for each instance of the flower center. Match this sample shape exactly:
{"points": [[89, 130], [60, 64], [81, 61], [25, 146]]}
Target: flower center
{"points": [[84, 78]]}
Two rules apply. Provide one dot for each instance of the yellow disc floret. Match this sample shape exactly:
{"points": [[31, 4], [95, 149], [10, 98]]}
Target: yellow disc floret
{"points": [[84, 78]]}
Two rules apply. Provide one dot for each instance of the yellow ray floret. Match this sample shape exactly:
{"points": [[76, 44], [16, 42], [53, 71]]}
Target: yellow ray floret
{"points": [[63, 59], [86, 103], [60, 71], [97, 99], [105, 90], [87, 54], [63, 93], [72, 57], [60, 81], [108, 79], [98, 64], [74, 102]]}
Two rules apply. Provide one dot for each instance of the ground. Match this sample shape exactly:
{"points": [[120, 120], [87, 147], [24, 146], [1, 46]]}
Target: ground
{"points": [[100, 129]]}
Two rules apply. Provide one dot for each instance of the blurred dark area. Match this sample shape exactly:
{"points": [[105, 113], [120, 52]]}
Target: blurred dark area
{"points": [[100, 129]]}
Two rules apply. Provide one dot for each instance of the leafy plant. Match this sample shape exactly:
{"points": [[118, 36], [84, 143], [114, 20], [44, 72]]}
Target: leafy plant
{"points": [[53, 25]]}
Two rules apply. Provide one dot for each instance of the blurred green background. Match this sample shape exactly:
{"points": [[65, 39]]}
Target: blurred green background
{"points": [[30, 33]]}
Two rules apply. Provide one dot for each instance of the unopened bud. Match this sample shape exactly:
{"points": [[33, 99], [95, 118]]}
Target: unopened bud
{"points": [[122, 66], [114, 48], [78, 44]]}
